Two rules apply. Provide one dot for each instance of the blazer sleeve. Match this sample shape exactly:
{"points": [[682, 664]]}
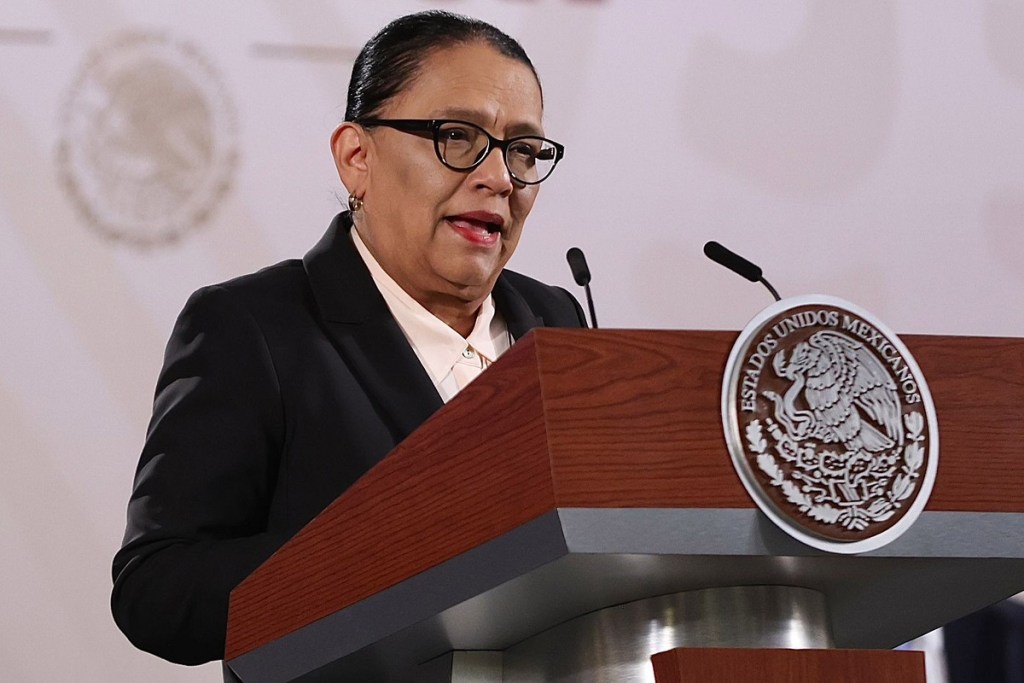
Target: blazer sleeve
{"points": [[197, 516]]}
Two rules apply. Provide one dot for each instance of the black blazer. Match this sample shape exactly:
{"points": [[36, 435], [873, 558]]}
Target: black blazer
{"points": [[279, 389]]}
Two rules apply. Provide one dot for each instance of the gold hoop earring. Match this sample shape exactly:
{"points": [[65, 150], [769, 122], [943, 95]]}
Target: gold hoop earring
{"points": [[354, 203]]}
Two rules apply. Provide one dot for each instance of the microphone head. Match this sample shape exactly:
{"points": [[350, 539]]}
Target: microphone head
{"points": [[734, 262], [578, 266]]}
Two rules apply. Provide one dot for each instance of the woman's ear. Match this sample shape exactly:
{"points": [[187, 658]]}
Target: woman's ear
{"points": [[349, 147]]}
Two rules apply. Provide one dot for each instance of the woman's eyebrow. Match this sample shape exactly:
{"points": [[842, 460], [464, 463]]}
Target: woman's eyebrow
{"points": [[482, 119]]}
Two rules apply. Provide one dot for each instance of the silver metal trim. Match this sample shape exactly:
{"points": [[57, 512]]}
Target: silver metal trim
{"points": [[616, 644]]}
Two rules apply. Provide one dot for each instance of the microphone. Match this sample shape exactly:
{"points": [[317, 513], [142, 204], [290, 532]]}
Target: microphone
{"points": [[581, 274], [737, 264], [578, 266]]}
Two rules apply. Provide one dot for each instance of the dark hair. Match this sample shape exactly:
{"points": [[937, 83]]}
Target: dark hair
{"points": [[393, 57]]}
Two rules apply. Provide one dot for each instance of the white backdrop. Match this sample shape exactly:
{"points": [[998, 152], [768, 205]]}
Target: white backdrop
{"points": [[871, 150]]}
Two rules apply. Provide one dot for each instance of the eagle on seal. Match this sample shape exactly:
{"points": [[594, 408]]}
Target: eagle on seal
{"points": [[840, 393]]}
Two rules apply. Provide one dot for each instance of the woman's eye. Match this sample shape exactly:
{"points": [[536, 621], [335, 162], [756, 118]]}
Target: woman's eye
{"points": [[456, 134], [523, 150]]}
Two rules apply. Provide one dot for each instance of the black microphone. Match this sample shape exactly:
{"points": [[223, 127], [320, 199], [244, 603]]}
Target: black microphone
{"points": [[737, 264], [578, 266], [581, 274]]}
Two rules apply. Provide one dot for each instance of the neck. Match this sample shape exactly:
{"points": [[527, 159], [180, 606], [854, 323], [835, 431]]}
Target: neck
{"points": [[460, 316], [457, 308]]}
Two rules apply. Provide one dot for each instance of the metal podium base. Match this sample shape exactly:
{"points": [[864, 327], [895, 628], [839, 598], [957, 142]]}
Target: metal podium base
{"points": [[615, 644]]}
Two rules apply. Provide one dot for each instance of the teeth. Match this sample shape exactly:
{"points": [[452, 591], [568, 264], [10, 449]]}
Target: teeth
{"points": [[482, 228], [479, 226]]}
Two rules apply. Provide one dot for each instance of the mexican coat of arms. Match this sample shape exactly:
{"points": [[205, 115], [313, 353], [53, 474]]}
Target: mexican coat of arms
{"points": [[830, 424]]}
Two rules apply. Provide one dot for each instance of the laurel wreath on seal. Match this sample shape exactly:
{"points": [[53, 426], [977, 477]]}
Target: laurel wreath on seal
{"points": [[890, 484]]}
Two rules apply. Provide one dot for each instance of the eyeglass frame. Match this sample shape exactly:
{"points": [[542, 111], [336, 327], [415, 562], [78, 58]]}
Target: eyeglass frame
{"points": [[433, 126]]}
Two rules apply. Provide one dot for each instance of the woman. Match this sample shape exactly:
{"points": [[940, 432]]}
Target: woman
{"points": [[279, 389]]}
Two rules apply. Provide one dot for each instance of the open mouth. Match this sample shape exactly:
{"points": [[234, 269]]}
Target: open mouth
{"points": [[477, 226], [488, 222]]}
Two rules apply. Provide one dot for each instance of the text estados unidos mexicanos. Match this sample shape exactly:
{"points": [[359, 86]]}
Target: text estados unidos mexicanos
{"points": [[825, 318]]}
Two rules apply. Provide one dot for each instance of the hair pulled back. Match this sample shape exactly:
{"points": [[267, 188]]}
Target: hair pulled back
{"points": [[390, 60]]}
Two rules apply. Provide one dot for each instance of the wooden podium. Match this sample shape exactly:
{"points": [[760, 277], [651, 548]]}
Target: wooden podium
{"points": [[538, 526]]}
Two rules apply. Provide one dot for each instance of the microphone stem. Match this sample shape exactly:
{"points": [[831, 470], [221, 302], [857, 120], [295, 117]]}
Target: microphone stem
{"points": [[770, 289], [590, 305]]}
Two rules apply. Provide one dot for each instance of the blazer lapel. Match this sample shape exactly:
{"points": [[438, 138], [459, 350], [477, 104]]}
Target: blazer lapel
{"points": [[358, 321], [519, 318]]}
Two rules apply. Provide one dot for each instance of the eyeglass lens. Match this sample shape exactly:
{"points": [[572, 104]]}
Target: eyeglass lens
{"points": [[462, 146]]}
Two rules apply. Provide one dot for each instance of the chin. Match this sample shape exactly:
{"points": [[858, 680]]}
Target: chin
{"points": [[473, 285], [473, 274]]}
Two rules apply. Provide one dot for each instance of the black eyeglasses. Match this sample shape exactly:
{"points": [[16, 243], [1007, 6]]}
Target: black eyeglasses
{"points": [[462, 146]]}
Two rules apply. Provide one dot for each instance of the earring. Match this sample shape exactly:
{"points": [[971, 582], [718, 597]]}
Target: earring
{"points": [[354, 203]]}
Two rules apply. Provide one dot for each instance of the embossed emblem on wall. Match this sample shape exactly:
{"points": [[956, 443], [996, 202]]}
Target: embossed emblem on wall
{"points": [[148, 143], [830, 424]]}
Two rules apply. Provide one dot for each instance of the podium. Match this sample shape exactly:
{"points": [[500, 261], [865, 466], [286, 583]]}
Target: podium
{"points": [[574, 511]]}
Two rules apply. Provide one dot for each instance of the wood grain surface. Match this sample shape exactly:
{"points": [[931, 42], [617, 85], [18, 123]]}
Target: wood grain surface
{"points": [[729, 665]]}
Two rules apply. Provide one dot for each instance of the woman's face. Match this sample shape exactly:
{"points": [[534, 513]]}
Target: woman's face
{"points": [[444, 235]]}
